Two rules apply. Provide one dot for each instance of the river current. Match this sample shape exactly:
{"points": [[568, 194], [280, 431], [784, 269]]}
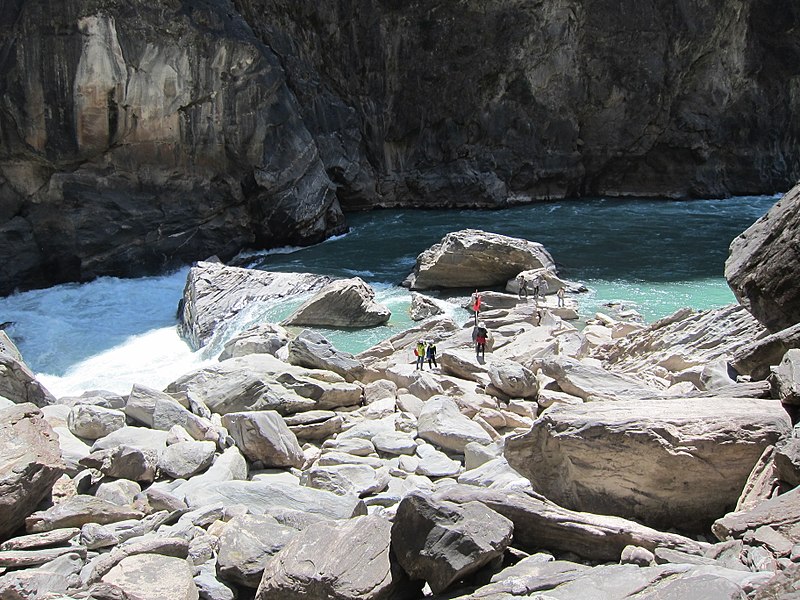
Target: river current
{"points": [[654, 256]]}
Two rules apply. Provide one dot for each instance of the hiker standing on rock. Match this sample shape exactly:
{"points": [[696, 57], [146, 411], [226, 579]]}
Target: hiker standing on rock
{"points": [[430, 353], [560, 296], [523, 287], [419, 352], [476, 305], [479, 334]]}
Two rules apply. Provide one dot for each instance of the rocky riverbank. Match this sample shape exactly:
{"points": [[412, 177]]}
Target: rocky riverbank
{"points": [[624, 459]]}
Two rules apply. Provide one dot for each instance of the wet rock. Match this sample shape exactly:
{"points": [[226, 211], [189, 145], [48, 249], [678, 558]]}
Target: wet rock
{"points": [[443, 542], [343, 303], [669, 463], [30, 463], [311, 350], [762, 261], [473, 258], [18, 383], [216, 293]]}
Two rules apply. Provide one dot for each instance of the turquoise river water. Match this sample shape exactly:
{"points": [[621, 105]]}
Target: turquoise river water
{"points": [[652, 255]]}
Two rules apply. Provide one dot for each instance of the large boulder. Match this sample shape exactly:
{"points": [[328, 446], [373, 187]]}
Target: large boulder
{"points": [[668, 463], [93, 422], [473, 258], [351, 561], [343, 303], [423, 307], [311, 350], [30, 463], [782, 513], [763, 262], [215, 294], [160, 411], [442, 542], [441, 422], [264, 436], [590, 382], [264, 338], [245, 545]]}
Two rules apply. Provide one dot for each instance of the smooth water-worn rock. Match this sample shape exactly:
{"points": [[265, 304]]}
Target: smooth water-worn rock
{"points": [[762, 263], [423, 307], [19, 384], [311, 350], [216, 293], [134, 575], [77, 511], [30, 463], [343, 303], [474, 258], [350, 561], [92, 422], [185, 459], [441, 422], [264, 338], [245, 545], [442, 542], [668, 463], [264, 436]]}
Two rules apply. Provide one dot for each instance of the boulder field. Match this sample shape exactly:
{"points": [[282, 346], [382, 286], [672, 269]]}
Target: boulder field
{"points": [[627, 458]]}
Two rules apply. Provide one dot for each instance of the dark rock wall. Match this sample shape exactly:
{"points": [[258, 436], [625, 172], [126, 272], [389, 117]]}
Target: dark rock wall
{"points": [[136, 135]]}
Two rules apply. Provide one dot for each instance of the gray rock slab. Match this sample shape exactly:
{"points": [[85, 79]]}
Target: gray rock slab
{"points": [[541, 524], [351, 562], [245, 545], [215, 293], [343, 303], [134, 575], [262, 497], [441, 423], [669, 463], [77, 511], [186, 459], [264, 436], [441, 542], [312, 350], [30, 463]]}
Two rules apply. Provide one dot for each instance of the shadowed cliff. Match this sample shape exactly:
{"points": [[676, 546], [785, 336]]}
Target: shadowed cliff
{"points": [[137, 136]]}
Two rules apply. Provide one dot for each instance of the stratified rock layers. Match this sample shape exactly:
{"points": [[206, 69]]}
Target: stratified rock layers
{"points": [[138, 135]]}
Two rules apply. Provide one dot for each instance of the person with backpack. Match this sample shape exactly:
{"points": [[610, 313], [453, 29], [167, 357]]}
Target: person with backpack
{"points": [[430, 353], [479, 335], [419, 352]]}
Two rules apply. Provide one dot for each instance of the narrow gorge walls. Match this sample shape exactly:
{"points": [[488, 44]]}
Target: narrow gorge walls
{"points": [[139, 135]]}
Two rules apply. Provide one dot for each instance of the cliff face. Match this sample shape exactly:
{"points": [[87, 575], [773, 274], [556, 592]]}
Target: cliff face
{"points": [[139, 135]]}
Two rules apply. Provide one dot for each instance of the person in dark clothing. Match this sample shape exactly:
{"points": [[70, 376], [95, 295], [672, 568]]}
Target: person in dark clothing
{"points": [[479, 335], [430, 353]]}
